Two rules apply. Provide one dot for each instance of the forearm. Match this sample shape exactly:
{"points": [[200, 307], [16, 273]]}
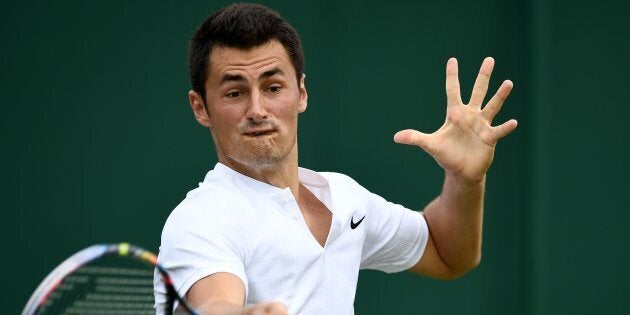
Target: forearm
{"points": [[455, 222], [227, 308], [221, 308]]}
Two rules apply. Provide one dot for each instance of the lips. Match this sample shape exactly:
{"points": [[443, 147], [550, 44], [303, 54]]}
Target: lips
{"points": [[258, 133]]}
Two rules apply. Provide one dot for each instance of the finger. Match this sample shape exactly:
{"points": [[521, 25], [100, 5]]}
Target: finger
{"points": [[504, 129], [481, 83], [496, 102], [412, 137], [276, 309], [453, 96]]}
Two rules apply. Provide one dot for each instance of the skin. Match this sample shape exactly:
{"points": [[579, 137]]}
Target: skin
{"points": [[251, 91], [252, 105], [464, 147]]}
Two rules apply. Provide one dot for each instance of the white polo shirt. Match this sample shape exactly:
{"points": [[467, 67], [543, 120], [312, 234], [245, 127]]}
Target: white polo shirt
{"points": [[233, 223]]}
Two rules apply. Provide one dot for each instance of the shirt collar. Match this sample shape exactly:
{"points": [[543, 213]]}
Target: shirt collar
{"points": [[306, 177]]}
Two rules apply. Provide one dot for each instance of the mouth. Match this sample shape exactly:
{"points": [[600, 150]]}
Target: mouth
{"points": [[259, 133]]}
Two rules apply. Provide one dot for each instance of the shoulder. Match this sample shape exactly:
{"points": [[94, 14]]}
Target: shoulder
{"points": [[208, 207], [337, 179], [342, 184], [332, 180]]}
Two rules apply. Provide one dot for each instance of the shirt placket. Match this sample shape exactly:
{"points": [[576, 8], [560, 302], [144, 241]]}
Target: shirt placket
{"points": [[291, 209]]}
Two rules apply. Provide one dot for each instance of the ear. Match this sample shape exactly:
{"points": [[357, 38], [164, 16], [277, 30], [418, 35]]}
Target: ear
{"points": [[199, 109], [303, 95]]}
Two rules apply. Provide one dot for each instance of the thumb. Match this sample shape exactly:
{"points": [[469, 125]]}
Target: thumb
{"points": [[411, 137]]}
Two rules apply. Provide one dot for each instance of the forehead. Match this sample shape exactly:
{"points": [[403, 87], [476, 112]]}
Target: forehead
{"points": [[229, 59]]}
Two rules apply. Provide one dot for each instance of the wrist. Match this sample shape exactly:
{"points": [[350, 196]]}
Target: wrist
{"points": [[462, 180]]}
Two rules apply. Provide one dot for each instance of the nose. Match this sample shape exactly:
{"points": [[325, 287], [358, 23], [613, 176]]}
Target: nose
{"points": [[256, 111]]}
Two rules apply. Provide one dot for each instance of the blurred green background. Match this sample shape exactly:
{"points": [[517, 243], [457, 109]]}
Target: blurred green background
{"points": [[99, 143]]}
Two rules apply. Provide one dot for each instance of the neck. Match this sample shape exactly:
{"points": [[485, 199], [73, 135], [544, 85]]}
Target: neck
{"points": [[282, 174]]}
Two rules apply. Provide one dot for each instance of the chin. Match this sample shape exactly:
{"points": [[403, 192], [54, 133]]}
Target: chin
{"points": [[261, 155], [257, 159], [266, 161]]}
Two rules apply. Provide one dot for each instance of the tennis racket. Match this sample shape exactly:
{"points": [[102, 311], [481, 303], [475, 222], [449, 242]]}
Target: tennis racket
{"points": [[104, 279]]}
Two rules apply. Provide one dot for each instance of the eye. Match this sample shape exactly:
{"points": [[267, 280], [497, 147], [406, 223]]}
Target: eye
{"points": [[233, 94], [274, 89]]}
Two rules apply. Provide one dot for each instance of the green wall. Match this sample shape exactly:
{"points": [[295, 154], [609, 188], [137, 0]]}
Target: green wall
{"points": [[99, 143]]}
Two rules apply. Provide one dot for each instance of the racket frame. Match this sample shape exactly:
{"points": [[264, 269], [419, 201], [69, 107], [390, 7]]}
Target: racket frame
{"points": [[89, 254]]}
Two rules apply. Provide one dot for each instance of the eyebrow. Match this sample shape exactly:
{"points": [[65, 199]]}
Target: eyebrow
{"points": [[239, 78], [271, 73], [232, 77]]}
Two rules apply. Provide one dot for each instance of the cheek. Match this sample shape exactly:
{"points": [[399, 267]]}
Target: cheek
{"points": [[225, 116], [287, 117], [288, 108], [224, 126]]}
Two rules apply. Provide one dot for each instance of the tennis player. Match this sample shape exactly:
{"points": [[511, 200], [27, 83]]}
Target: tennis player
{"points": [[260, 235]]}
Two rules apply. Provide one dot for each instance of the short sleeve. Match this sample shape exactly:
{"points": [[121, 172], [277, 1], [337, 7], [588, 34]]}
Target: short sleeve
{"points": [[199, 241], [396, 236]]}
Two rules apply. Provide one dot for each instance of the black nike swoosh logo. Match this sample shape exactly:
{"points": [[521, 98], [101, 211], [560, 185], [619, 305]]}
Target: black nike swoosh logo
{"points": [[354, 225]]}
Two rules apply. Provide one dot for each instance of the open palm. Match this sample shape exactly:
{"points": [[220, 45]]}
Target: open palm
{"points": [[464, 145]]}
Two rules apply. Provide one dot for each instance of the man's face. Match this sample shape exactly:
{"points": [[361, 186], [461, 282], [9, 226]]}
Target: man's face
{"points": [[253, 100]]}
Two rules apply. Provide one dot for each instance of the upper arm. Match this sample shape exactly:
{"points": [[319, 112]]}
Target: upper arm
{"points": [[395, 236], [204, 249], [219, 289], [431, 264]]}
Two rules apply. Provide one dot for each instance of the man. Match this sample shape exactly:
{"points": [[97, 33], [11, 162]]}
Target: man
{"points": [[261, 235]]}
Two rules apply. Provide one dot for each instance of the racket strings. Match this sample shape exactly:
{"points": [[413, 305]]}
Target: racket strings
{"points": [[106, 286]]}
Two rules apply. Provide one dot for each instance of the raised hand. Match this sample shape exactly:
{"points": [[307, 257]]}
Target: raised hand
{"points": [[464, 145]]}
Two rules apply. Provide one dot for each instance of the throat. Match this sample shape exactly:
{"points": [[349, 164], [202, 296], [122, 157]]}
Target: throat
{"points": [[317, 216]]}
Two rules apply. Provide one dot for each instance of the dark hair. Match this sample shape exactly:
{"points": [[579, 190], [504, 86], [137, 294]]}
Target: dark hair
{"points": [[242, 26]]}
